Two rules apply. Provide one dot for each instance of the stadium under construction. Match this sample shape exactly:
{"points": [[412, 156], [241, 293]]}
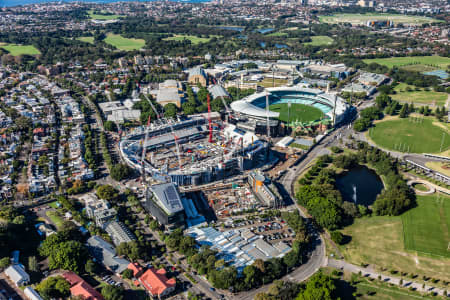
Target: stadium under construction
{"points": [[192, 151]]}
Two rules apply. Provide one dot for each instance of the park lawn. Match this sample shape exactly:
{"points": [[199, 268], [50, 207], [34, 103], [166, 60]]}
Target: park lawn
{"points": [[124, 44], [422, 97], [16, 50], [361, 19], [420, 187], [427, 226], [86, 39], [94, 16], [403, 135], [418, 68], [437, 61], [439, 166], [320, 40], [55, 218], [379, 240], [278, 33], [300, 112], [194, 39]]}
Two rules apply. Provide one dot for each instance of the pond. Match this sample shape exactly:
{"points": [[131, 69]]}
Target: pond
{"points": [[360, 185]]}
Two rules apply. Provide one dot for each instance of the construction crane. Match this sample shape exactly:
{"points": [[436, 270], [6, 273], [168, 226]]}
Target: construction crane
{"points": [[171, 129], [227, 108], [144, 149], [209, 119]]}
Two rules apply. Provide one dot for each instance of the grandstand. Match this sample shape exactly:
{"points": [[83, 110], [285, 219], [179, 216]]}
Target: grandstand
{"points": [[254, 106]]}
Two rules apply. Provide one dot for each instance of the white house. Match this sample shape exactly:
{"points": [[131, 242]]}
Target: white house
{"points": [[17, 275], [32, 294]]}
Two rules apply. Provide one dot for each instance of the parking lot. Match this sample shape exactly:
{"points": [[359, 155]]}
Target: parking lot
{"points": [[273, 229]]}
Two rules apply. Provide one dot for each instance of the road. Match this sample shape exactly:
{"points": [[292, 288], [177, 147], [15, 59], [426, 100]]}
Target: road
{"points": [[317, 258]]}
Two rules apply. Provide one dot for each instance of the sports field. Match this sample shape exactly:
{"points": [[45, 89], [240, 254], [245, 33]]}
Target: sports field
{"points": [[361, 19], [379, 240], [16, 50], [405, 134], [86, 39], [421, 96], [101, 16], [194, 39], [437, 61], [298, 112], [320, 40], [124, 44], [427, 227]]}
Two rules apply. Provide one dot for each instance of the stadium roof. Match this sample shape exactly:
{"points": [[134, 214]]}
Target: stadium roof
{"points": [[167, 197], [218, 91]]}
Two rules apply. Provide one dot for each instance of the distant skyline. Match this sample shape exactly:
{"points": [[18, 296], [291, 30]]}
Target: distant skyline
{"points": [[10, 3]]}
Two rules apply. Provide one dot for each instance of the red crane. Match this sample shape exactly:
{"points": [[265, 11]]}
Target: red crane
{"points": [[209, 119]]}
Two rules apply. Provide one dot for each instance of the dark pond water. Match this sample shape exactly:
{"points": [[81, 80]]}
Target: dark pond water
{"points": [[360, 185]]}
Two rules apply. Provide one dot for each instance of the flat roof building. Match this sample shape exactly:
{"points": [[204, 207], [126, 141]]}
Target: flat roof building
{"points": [[105, 253], [164, 203]]}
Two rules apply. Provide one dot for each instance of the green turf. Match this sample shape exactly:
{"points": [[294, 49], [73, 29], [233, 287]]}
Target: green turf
{"points": [[94, 16], [361, 19], [320, 40], [16, 50], [194, 39], [86, 39], [420, 187], [438, 61], [403, 135], [55, 218], [427, 227], [124, 44], [278, 33], [298, 112], [421, 96]]}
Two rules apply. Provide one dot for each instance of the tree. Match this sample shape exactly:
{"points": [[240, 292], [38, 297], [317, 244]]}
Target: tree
{"points": [[361, 124], [54, 287], [404, 111], [127, 274], [5, 262], [69, 255], [170, 110], [110, 292], [319, 286], [107, 192], [33, 264], [337, 237], [90, 267], [120, 172], [110, 126]]}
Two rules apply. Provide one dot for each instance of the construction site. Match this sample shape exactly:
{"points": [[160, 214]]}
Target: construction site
{"points": [[193, 151]]}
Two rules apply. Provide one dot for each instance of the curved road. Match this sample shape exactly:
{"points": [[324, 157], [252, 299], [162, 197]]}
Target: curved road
{"points": [[317, 255]]}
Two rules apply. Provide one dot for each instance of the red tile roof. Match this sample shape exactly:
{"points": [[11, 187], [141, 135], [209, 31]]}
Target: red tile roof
{"points": [[156, 282], [79, 287], [136, 268]]}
